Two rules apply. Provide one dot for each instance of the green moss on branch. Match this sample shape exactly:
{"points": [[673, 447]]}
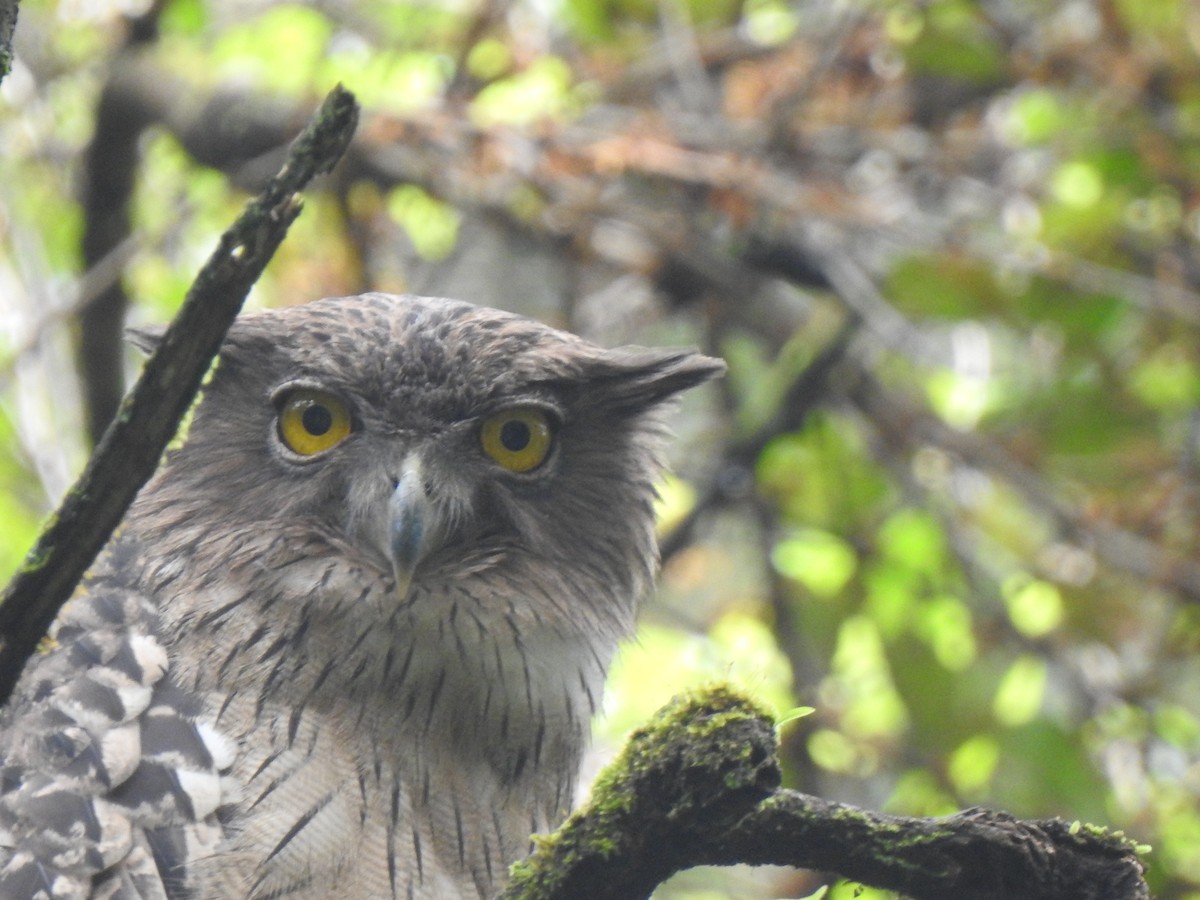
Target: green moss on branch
{"points": [[702, 763], [698, 785]]}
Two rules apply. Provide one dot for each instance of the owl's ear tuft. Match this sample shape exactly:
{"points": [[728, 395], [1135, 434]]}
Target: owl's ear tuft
{"points": [[637, 378], [145, 339]]}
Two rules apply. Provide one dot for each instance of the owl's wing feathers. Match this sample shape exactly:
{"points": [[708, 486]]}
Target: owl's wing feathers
{"points": [[109, 782]]}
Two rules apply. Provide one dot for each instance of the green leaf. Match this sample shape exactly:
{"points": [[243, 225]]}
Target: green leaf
{"points": [[1167, 378], [913, 537], [945, 624], [1021, 692], [892, 592], [861, 677], [1034, 606], [432, 225], [918, 792], [185, 17], [281, 47], [1178, 726], [973, 763], [770, 21], [1078, 184], [834, 751], [796, 712], [542, 90], [821, 561], [1035, 116]]}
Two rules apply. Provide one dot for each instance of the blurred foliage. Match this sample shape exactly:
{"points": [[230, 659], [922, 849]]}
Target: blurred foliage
{"points": [[975, 556]]}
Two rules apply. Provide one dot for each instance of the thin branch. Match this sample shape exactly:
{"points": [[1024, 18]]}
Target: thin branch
{"points": [[130, 449], [698, 786]]}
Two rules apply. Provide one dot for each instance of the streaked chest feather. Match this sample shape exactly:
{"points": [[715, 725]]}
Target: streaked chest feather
{"points": [[427, 751]]}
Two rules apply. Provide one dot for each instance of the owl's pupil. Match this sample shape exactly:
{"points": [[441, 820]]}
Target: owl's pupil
{"points": [[514, 436], [317, 420]]}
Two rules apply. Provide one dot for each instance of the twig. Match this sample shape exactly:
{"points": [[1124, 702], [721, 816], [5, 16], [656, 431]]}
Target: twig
{"points": [[698, 786], [130, 449]]}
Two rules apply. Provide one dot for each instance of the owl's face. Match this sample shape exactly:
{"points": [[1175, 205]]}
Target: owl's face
{"points": [[428, 438]]}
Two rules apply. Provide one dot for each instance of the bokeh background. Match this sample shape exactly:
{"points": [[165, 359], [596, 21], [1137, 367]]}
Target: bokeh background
{"points": [[947, 495]]}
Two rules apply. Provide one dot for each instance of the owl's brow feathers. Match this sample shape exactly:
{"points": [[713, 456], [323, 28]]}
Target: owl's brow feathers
{"points": [[451, 356]]}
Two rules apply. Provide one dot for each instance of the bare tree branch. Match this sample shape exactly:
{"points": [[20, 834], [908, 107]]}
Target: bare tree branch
{"points": [[130, 449]]}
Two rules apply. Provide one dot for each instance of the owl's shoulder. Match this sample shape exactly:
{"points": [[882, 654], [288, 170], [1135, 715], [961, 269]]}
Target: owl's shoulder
{"points": [[108, 779]]}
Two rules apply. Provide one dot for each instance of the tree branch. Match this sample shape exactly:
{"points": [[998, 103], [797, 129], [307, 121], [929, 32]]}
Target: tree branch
{"points": [[699, 786], [131, 447], [8, 24], [697, 768], [977, 853], [110, 169]]}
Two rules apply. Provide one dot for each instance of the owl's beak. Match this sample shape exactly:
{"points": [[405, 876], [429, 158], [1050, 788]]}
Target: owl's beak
{"points": [[410, 513]]}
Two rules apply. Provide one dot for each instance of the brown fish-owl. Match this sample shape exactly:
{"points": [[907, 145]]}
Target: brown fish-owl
{"points": [[349, 639]]}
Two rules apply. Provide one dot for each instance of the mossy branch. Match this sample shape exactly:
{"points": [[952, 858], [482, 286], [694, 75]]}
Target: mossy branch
{"points": [[699, 786], [131, 447], [700, 765]]}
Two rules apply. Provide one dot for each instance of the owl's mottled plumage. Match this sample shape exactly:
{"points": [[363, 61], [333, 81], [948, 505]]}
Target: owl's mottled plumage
{"points": [[365, 673]]}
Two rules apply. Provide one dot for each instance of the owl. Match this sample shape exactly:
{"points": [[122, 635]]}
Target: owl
{"points": [[350, 637]]}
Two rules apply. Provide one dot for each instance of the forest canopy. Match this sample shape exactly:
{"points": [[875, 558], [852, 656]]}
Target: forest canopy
{"points": [[947, 495]]}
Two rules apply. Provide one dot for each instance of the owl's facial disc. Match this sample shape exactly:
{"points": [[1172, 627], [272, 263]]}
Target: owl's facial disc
{"points": [[412, 527]]}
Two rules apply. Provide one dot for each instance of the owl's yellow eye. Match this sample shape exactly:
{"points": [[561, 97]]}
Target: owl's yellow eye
{"points": [[518, 439], [312, 422]]}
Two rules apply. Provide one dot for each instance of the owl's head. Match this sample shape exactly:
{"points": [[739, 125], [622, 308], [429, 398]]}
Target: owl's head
{"points": [[430, 438]]}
